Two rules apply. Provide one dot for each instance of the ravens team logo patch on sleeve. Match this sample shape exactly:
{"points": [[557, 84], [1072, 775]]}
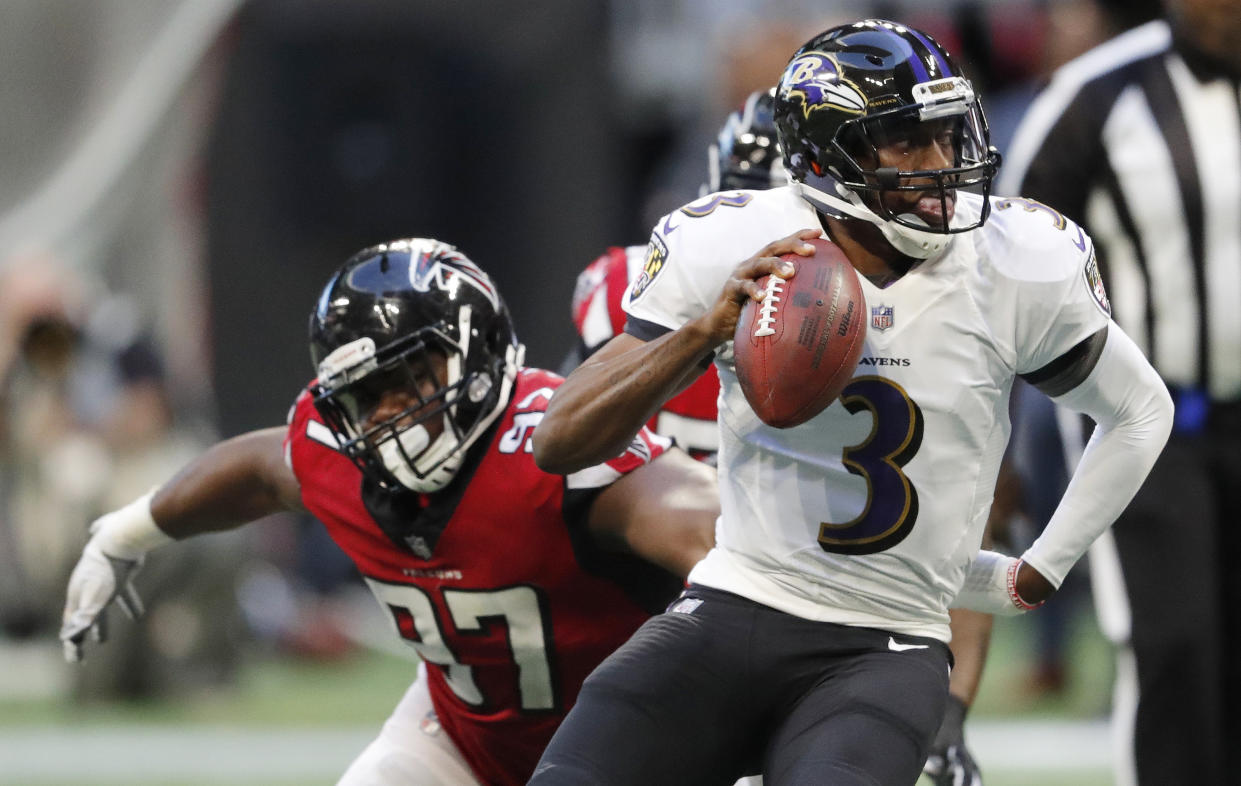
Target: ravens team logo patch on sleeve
{"points": [[656, 257], [1094, 283]]}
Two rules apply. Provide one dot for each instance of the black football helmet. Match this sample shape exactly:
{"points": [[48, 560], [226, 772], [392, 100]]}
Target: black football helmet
{"points": [[374, 329], [858, 87], [746, 154]]}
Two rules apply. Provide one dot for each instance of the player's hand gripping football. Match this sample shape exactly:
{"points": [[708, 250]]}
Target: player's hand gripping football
{"points": [[742, 285], [950, 763], [105, 572]]}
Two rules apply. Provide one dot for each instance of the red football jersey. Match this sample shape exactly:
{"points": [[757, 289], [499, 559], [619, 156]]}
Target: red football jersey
{"points": [[598, 315], [500, 606]]}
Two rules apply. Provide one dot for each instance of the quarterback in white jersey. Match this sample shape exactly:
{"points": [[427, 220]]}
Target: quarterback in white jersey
{"points": [[843, 541], [826, 521]]}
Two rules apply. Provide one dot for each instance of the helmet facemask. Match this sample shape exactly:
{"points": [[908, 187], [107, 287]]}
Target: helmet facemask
{"points": [[848, 169], [431, 370]]}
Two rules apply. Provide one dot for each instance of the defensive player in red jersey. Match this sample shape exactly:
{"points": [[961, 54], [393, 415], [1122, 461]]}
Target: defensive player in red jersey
{"points": [[746, 155], [413, 448]]}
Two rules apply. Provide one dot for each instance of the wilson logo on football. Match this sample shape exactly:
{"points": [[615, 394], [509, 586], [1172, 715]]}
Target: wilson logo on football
{"points": [[767, 312]]}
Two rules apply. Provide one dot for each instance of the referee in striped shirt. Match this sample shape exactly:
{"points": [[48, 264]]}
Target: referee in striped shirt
{"points": [[1139, 140]]}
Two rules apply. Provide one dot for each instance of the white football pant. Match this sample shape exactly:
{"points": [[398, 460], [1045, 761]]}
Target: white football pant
{"points": [[412, 750]]}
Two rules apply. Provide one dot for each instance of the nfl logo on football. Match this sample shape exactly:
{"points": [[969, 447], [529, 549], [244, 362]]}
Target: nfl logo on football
{"points": [[881, 317]]}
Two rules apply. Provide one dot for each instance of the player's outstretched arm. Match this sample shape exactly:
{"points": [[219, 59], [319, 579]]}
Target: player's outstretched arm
{"points": [[595, 413], [950, 762], [233, 482], [664, 512]]}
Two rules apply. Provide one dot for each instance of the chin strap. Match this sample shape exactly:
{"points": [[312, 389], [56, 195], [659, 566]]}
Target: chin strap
{"points": [[514, 357], [907, 240]]}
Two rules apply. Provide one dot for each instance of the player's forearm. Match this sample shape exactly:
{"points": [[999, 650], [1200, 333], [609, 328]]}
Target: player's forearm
{"points": [[971, 637], [234, 482], [1133, 411], [669, 516], [594, 415]]}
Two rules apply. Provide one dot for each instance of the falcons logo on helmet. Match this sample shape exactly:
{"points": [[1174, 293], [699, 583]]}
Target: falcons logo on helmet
{"points": [[815, 77], [446, 268]]}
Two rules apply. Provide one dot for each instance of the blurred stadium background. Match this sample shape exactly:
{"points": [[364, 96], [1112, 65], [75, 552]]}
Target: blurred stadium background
{"points": [[180, 176]]}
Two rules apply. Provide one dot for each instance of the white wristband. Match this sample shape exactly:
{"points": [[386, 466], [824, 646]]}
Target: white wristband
{"points": [[130, 532], [990, 586]]}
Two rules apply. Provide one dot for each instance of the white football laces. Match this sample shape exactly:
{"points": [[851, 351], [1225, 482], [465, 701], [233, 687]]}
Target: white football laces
{"points": [[767, 312]]}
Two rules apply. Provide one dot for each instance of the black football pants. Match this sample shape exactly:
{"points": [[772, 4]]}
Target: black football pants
{"points": [[719, 687]]}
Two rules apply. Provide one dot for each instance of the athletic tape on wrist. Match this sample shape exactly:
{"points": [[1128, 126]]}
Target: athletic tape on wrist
{"points": [[129, 532], [986, 587]]}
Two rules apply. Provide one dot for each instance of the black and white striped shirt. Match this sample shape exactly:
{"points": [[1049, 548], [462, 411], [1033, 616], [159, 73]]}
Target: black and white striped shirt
{"points": [[1140, 142]]}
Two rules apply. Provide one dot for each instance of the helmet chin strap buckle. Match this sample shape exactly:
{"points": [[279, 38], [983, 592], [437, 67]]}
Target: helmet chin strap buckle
{"points": [[478, 388]]}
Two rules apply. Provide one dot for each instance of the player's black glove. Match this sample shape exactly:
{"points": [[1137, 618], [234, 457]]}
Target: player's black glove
{"points": [[950, 764]]}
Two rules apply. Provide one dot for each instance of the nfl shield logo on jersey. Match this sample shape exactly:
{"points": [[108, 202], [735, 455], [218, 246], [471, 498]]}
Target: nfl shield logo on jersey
{"points": [[881, 317]]}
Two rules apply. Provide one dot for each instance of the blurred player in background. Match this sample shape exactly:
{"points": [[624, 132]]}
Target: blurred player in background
{"points": [[1140, 140], [86, 424], [843, 541], [746, 156], [412, 446]]}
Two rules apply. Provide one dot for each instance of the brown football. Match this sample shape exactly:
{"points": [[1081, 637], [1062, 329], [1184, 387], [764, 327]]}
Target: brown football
{"points": [[797, 349]]}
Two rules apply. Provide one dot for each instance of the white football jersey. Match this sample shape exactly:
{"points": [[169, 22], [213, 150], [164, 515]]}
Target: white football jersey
{"points": [[869, 513]]}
